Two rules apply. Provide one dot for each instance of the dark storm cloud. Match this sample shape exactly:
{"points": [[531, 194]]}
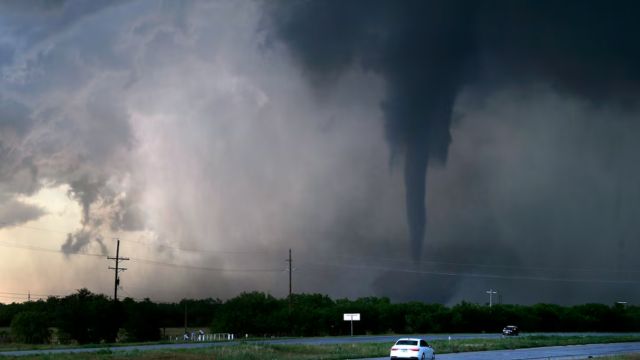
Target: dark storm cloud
{"points": [[18, 173], [34, 20], [171, 127], [129, 215], [68, 127], [15, 119], [429, 51], [86, 191], [80, 240], [13, 212]]}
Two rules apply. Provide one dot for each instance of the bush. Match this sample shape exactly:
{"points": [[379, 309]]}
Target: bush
{"points": [[31, 328], [88, 318], [142, 322], [4, 337]]}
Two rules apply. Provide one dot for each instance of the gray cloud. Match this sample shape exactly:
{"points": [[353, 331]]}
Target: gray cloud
{"points": [[15, 120], [14, 212], [187, 126], [80, 240], [428, 51], [67, 125], [129, 216], [18, 173]]}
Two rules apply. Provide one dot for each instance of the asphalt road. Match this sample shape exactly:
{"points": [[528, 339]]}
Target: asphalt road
{"points": [[428, 337], [552, 352], [335, 340]]}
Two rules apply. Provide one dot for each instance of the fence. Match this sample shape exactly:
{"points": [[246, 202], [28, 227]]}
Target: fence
{"points": [[202, 337]]}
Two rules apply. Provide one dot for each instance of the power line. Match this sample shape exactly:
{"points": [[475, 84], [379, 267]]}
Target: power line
{"points": [[27, 294], [146, 261], [34, 228], [367, 267], [474, 275], [131, 296], [23, 297], [359, 267], [13, 297], [160, 263], [290, 261], [157, 245], [498, 266], [361, 257], [38, 248], [199, 251]]}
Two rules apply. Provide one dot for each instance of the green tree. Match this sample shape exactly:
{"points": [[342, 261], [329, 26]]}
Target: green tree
{"points": [[426, 318], [142, 320], [31, 328], [468, 317], [310, 315], [88, 318], [252, 313]]}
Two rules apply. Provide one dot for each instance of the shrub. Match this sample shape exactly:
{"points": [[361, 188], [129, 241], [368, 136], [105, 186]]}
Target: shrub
{"points": [[31, 328]]}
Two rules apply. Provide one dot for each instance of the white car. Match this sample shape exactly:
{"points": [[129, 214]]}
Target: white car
{"points": [[410, 348]]}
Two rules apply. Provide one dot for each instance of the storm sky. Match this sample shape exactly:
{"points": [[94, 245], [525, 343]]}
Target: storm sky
{"points": [[419, 150]]}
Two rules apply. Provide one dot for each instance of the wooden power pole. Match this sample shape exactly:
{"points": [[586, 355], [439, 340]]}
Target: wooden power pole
{"points": [[117, 270], [290, 261]]}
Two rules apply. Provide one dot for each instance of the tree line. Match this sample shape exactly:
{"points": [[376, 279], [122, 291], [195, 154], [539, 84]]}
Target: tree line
{"points": [[85, 317]]}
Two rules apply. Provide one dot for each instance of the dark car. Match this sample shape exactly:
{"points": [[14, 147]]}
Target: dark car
{"points": [[510, 330]]}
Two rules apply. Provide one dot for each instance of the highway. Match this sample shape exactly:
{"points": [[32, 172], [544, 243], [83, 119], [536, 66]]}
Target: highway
{"points": [[551, 352], [428, 337], [612, 348]]}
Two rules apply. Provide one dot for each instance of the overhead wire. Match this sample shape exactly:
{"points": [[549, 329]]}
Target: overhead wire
{"points": [[146, 261], [473, 275], [160, 263], [199, 251], [476, 265], [155, 244], [354, 258], [34, 228], [38, 248], [28, 294], [351, 266]]}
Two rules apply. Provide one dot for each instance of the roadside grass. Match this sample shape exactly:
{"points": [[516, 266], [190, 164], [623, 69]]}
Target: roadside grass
{"points": [[507, 343], [18, 346], [251, 351], [167, 334]]}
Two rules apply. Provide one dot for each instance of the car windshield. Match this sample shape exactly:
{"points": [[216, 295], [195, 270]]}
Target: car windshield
{"points": [[407, 342]]}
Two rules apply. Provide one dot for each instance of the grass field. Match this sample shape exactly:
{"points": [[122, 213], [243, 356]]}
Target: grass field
{"points": [[334, 352], [167, 334]]}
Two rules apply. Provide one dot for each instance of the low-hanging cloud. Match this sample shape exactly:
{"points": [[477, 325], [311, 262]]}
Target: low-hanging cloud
{"points": [[429, 51], [189, 126], [14, 212]]}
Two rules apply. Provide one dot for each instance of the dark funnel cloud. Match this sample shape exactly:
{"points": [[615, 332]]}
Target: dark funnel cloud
{"points": [[79, 240], [428, 52]]}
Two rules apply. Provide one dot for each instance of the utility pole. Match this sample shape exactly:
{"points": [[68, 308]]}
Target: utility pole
{"points": [[117, 270], [185, 316], [290, 261], [491, 292]]}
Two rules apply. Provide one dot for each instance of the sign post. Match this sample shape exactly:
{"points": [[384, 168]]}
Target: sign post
{"points": [[352, 318]]}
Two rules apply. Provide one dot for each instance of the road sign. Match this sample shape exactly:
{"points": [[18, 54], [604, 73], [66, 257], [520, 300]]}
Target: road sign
{"points": [[352, 317]]}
